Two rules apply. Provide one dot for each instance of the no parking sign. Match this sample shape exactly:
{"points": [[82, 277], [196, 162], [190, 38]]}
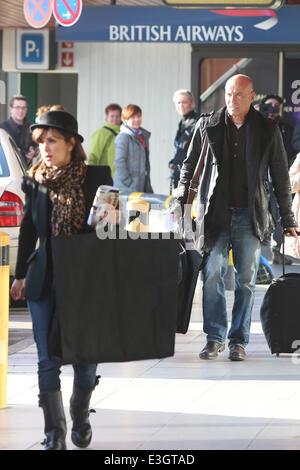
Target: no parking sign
{"points": [[37, 12], [67, 12]]}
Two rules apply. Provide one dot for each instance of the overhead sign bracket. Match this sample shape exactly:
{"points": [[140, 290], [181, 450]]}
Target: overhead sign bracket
{"points": [[220, 4]]}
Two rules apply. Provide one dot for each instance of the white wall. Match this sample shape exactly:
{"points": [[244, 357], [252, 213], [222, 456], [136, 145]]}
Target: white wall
{"points": [[138, 73]]}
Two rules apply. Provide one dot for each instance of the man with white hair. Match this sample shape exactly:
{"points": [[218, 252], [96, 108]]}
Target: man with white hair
{"points": [[185, 104], [234, 190]]}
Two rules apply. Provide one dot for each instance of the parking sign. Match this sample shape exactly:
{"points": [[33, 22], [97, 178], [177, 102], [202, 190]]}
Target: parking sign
{"points": [[32, 50]]}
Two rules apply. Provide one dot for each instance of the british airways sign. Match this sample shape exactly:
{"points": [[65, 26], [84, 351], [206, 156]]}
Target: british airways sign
{"points": [[164, 24], [181, 33]]}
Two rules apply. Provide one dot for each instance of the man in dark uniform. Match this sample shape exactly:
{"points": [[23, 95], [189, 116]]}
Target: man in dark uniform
{"points": [[18, 126], [184, 103]]}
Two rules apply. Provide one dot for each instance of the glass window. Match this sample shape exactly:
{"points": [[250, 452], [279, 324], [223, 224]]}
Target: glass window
{"points": [[21, 159], [215, 71], [4, 170]]}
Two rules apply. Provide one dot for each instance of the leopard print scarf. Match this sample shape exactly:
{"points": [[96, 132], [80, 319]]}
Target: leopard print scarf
{"points": [[65, 192]]}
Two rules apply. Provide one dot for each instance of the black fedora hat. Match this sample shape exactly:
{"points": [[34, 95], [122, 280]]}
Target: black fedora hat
{"points": [[58, 119]]}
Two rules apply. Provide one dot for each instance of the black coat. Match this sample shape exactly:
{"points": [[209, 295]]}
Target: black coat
{"points": [[183, 137], [264, 153], [20, 133], [182, 140], [36, 264]]}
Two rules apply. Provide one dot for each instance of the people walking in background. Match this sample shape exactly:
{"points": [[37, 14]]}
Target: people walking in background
{"points": [[43, 109], [102, 148], [18, 126], [40, 111], [59, 192], [270, 107], [292, 246], [243, 147], [57, 107], [132, 153], [296, 137], [185, 104]]}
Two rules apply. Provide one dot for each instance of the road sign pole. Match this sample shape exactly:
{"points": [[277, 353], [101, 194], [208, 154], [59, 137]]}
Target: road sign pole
{"points": [[224, 4]]}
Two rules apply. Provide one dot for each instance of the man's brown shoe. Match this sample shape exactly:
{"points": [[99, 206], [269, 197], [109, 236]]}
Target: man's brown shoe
{"points": [[211, 350], [237, 353]]}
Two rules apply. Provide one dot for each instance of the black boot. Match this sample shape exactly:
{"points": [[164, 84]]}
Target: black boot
{"points": [[81, 434], [55, 421]]}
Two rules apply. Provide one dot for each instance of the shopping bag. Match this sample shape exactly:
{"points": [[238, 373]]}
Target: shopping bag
{"points": [[116, 299]]}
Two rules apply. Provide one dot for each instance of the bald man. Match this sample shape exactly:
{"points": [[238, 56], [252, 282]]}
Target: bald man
{"points": [[233, 198]]}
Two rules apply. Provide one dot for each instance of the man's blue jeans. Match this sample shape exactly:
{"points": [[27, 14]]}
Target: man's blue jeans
{"points": [[246, 250], [49, 368]]}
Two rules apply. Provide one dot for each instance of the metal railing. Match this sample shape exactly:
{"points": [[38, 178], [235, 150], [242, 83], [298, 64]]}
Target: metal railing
{"points": [[238, 67]]}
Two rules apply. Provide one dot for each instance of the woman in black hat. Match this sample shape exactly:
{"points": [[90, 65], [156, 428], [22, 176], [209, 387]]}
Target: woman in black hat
{"points": [[59, 191]]}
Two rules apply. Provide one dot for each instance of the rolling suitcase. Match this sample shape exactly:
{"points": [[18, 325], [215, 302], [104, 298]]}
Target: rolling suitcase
{"points": [[280, 313]]}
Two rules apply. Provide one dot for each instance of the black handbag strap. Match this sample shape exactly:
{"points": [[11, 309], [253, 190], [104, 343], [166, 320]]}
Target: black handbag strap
{"points": [[111, 130]]}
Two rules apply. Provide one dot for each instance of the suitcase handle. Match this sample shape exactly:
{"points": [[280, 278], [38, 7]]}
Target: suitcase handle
{"points": [[283, 254]]}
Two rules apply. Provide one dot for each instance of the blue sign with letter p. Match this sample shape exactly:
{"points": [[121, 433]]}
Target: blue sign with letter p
{"points": [[32, 48]]}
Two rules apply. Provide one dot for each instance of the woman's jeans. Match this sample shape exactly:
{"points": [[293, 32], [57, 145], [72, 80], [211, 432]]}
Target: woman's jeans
{"points": [[246, 250], [49, 369]]}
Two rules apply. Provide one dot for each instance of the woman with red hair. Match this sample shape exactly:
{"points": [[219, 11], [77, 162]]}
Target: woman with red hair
{"points": [[132, 153]]}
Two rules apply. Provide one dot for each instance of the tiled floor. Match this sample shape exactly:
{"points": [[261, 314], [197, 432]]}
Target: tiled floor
{"points": [[178, 403]]}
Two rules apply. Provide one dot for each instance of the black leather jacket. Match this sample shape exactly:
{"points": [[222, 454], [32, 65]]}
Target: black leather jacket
{"points": [[264, 153]]}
